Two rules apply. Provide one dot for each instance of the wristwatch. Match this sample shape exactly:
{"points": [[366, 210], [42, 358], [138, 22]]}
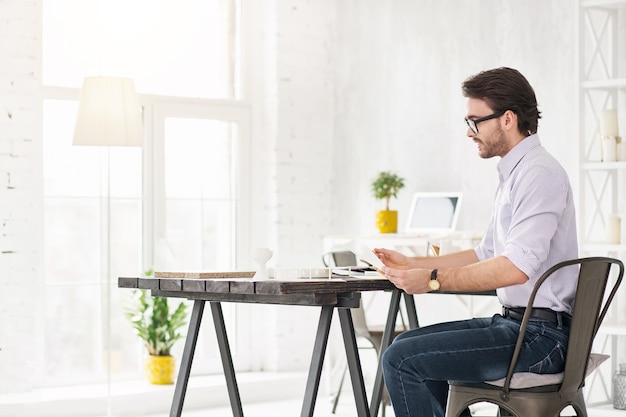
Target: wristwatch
{"points": [[434, 284]]}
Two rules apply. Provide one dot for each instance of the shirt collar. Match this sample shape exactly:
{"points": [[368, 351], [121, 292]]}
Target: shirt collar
{"points": [[508, 163]]}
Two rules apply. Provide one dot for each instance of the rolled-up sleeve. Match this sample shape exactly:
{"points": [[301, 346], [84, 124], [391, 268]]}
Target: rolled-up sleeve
{"points": [[535, 203]]}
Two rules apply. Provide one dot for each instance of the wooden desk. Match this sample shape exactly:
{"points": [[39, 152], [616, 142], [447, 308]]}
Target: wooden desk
{"points": [[339, 294]]}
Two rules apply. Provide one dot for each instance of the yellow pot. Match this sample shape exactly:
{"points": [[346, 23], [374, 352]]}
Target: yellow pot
{"points": [[387, 221], [160, 369]]}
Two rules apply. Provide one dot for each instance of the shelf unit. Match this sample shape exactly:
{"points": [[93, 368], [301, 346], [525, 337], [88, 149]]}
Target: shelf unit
{"points": [[602, 185]]}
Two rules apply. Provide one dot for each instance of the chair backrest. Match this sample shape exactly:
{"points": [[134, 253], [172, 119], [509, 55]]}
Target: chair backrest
{"points": [[360, 322], [339, 259], [589, 311]]}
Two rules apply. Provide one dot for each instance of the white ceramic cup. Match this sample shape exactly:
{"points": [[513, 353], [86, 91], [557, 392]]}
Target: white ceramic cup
{"points": [[260, 257]]}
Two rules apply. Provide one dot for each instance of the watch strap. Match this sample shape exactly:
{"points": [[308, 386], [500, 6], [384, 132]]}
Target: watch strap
{"points": [[434, 284]]}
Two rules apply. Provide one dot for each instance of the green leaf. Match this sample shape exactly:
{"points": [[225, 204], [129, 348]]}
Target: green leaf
{"points": [[155, 323], [386, 186]]}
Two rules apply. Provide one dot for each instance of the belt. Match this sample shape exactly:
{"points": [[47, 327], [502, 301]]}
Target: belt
{"points": [[557, 317]]}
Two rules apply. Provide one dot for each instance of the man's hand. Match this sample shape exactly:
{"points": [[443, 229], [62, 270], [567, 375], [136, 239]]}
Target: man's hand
{"points": [[412, 281], [392, 259]]}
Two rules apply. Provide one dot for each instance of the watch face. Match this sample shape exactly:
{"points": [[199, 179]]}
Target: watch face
{"points": [[433, 284]]}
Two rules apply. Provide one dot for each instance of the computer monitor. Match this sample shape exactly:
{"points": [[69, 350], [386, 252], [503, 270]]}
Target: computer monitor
{"points": [[434, 212]]}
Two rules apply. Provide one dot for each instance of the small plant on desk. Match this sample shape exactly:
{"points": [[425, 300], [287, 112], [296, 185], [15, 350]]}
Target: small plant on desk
{"points": [[158, 326], [385, 186]]}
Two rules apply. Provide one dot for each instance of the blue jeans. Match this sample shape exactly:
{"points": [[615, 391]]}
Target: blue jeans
{"points": [[419, 362]]}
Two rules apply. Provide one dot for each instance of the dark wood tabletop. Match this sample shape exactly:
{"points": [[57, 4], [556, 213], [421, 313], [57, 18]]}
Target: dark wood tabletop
{"points": [[242, 287]]}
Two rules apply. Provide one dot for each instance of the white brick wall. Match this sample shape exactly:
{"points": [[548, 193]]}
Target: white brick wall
{"points": [[304, 127], [296, 124], [20, 194]]}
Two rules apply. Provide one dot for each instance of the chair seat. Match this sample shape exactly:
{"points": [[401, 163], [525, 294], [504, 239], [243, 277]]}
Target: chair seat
{"points": [[487, 386], [521, 380]]}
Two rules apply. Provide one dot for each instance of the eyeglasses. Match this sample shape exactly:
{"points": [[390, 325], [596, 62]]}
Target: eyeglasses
{"points": [[472, 124]]}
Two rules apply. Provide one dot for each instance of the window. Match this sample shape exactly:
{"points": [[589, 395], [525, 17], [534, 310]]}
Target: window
{"points": [[186, 48], [113, 211], [200, 211]]}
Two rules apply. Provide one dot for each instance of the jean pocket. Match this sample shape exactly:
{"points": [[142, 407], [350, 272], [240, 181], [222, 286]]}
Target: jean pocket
{"points": [[553, 363]]}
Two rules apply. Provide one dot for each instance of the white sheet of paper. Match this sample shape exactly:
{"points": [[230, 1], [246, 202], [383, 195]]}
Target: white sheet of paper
{"points": [[365, 253]]}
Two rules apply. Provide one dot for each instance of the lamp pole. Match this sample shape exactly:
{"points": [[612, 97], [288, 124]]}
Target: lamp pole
{"points": [[109, 114]]}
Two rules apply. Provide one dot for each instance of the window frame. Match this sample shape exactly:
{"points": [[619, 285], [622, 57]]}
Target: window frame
{"points": [[237, 110]]}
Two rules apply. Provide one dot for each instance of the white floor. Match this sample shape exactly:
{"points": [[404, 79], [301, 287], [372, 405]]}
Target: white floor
{"points": [[262, 395], [346, 408]]}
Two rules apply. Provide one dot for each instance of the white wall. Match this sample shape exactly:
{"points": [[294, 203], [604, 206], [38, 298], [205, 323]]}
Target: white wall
{"points": [[399, 69], [343, 90], [20, 194], [292, 93], [340, 91]]}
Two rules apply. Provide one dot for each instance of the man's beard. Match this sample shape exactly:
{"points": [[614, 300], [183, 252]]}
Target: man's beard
{"points": [[499, 147]]}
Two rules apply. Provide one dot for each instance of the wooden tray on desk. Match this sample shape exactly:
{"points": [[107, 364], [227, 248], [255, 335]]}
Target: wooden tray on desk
{"points": [[206, 275]]}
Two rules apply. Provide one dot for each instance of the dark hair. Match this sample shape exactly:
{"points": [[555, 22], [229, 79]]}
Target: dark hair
{"points": [[506, 89]]}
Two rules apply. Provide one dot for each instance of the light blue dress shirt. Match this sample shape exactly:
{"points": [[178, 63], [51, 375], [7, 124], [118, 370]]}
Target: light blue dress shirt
{"points": [[533, 224]]}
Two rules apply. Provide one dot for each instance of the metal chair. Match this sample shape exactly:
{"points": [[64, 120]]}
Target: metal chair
{"points": [[373, 334], [549, 400]]}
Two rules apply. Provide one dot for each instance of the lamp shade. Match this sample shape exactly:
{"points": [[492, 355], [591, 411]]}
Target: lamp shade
{"points": [[109, 113]]}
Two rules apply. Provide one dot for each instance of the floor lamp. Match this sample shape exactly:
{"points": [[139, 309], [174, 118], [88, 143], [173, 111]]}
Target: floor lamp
{"points": [[109, 114]]}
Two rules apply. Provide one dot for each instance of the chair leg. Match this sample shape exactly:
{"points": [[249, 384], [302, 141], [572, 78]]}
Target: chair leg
{"points": [[336, 399], [384, 403]]}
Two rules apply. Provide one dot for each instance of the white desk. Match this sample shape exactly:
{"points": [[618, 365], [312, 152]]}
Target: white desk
{"points": [[406, 243]]}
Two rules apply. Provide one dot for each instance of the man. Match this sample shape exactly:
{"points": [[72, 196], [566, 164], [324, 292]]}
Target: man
{"points": [[533, 227]]}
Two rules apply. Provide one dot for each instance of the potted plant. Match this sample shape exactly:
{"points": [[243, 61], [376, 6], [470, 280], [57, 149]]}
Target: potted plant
{"points": [[385, 186], [158, 326]]}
